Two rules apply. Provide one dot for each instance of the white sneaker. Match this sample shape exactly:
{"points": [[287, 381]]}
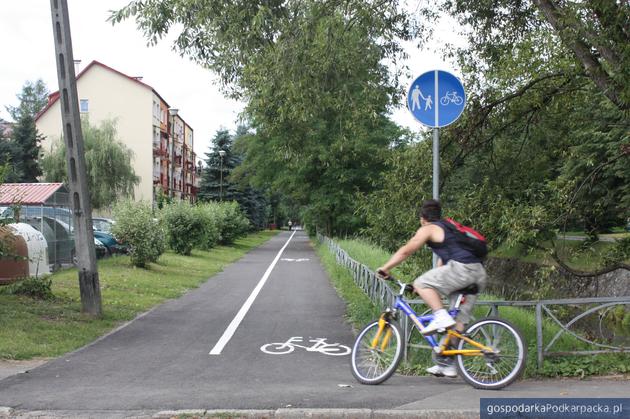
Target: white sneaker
{"points": [[443, 371], [439, 323]]}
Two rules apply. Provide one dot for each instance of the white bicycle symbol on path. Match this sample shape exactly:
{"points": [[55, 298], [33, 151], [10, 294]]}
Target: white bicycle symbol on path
{"points": [[318, 345], [451, 97]]}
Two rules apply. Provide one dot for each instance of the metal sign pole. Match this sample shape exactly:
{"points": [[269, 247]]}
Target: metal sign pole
{"points": [[436, 173], [436, 99], [75, 158]]}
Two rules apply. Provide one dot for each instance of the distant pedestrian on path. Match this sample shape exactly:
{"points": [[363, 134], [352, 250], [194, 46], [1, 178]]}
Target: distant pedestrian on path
{"points": [[290, 225]]}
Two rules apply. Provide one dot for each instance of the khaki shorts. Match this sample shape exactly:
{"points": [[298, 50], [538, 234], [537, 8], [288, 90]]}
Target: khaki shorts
{"points": [[453, 276]]}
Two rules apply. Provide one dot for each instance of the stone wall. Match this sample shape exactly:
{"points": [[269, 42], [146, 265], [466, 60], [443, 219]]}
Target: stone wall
{"points": [[517, 280]]}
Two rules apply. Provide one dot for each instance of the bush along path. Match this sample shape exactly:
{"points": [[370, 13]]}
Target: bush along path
{"points": [[49, 323]]}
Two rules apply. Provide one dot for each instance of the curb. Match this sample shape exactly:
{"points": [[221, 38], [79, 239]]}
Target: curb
{"points": [[7, 412]]}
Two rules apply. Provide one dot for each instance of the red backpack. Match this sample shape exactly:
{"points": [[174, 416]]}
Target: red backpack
{"points": [[469, 238]]}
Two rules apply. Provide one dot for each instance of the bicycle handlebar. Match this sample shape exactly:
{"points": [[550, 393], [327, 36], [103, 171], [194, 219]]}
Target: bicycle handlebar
{"points": [[403, 286]]}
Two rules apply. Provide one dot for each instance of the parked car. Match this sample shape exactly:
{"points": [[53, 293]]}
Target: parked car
{"points": [[111, 243], [103, 224], [100, 248]]}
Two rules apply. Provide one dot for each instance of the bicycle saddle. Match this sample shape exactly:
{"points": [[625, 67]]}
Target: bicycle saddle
{"points": [[471, 289]]}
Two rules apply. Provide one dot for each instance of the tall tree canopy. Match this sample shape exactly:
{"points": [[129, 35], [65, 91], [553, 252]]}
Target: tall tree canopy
{"points": [[32, 98], [543, 145], [108, 163], [26, 146], [314, 76], [215, 184], [219, 184], [10, 157], [21, 151], [568, 39]]}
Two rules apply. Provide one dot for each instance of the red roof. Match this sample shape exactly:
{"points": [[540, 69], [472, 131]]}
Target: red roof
{"points": [[27, 193]]}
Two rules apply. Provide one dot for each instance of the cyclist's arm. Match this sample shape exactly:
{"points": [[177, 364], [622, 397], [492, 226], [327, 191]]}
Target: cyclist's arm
{"points": [[421, 237]]}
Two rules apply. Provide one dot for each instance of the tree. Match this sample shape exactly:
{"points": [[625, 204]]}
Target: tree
{"points": [[219, 184], [22, 150], [598, 34], [9, 159], [594, 35], [108, 162], [253, 200], [214, 179], [26, 149], [317, 89], [33, 98]]}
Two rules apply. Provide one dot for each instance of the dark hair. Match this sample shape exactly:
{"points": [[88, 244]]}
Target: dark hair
{"points": [[431, 210]]}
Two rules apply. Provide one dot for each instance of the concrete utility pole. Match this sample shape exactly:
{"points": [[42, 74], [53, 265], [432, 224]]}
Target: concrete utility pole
{"points": [[75, 159]]}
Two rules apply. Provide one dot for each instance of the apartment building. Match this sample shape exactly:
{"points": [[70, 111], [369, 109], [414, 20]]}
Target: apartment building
{"points": [[161, 140]]}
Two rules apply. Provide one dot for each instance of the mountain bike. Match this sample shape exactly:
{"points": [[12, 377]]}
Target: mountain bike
{"points": [[490, 354]]}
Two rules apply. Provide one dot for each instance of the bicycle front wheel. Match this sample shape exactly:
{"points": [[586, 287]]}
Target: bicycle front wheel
{"points": [[499, 367], [375, 356]]}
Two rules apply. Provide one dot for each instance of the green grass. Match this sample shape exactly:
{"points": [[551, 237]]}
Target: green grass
{"points": [[361, 311], [32, 328]]}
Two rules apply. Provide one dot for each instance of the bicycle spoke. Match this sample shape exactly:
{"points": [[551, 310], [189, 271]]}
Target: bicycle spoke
{"points": [[498, 367], [375, 364]]}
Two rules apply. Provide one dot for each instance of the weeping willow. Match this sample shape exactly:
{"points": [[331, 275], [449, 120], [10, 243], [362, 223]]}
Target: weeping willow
{"points": [[108, 164]]}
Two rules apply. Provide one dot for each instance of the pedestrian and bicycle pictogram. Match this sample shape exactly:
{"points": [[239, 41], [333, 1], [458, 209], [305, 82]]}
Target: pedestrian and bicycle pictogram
{"points": [[436, 98]]}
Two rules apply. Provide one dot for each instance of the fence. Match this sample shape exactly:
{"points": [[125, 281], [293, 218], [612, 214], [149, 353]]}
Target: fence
{"points": [[383, 296]]}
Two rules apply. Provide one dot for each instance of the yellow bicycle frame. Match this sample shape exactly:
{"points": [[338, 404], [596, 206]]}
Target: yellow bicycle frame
{"points": [[382, 323], [468, 352]]}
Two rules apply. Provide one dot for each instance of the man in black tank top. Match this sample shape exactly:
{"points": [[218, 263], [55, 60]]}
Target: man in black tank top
{"points": [[457, 268]]}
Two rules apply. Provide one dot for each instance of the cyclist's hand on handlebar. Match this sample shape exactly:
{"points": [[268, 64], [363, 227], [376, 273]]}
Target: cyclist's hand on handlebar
{"points": [[382, 273]]}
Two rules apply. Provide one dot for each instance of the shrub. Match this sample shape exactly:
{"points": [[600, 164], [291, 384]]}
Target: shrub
{"points": [[208, 214], [40, 288], [136, 226], [184, 227], [232, 223]]}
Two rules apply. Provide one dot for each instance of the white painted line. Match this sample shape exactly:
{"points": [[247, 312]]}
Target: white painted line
{"points": [[231, 329]]}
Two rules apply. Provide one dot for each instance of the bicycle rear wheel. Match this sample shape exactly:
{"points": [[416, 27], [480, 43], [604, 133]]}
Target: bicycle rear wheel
{"points": [[496, 369], [373, 364]]}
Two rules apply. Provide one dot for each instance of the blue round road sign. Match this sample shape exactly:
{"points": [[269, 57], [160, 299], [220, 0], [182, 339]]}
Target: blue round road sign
{"points": [[436, 98]]}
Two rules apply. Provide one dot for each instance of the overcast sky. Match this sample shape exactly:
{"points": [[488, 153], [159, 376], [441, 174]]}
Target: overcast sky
{"points": [[28, 54]]}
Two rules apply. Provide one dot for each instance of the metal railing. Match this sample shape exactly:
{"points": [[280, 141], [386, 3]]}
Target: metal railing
{"points": [[382, 296]]}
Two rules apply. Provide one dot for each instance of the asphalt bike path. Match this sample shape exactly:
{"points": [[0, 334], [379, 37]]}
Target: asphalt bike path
{"points": [[163, 359], [190, 354]]}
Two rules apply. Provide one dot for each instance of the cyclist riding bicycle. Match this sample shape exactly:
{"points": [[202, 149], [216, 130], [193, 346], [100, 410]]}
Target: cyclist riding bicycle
{"points": [[457, 268]]}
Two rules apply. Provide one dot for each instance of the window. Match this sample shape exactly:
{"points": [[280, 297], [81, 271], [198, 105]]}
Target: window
{"points": [[83, 105]]}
